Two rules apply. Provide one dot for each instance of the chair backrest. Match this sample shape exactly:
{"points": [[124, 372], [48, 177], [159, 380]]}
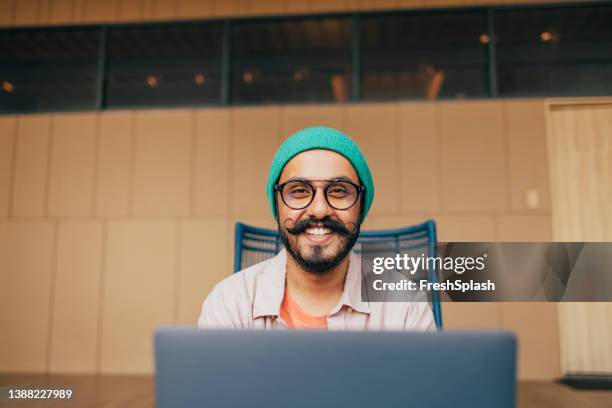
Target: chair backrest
{"points": [[253, 245]]}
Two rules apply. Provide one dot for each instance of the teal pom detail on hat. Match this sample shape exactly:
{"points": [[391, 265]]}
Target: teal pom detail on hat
{"points": [[326, 138]]}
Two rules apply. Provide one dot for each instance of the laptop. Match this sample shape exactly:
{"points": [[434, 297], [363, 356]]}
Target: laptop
{"points": [[291, 368]]}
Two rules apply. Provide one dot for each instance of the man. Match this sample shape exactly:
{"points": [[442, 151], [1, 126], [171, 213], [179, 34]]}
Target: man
{"points": [[320, 190]]}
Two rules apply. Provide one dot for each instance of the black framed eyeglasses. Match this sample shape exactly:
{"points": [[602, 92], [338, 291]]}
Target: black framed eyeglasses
{"points": [[339, 194]]}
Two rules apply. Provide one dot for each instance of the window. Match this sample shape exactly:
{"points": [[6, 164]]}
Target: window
{"points": [[476, 52], [565, 51], [424, 55], [48, 70], [164, 65], [291, 60]]}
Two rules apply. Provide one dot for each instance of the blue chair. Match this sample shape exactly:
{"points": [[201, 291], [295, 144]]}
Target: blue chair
{"points": [[253, 245]]}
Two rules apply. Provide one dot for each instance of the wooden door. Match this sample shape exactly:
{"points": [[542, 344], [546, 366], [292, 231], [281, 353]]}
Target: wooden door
{"points": [[579, 134]]}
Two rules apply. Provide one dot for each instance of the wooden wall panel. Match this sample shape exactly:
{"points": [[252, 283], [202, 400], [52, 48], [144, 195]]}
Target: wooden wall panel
{"points": [[527, 156], [204, 261], [472, 156], [35, 12], [294, 118], [418, 157], [387, 4], [524, 228], [212, 177], [44, 12], [7, 150], [394, 221], [164, 9], [466, 228], [195, 8], [298, 6], [475, 316], [76, 303], [132, 10], [263, 221], [7, 10], [162, 163], [26, 276], [268, 7], [31, 166], [226, 8], [535, 325], [114, 173], [331, 6], [26, 12], [96, 11], [375, 128], [139, 292], [61, 12], [73, 164], [255, 138]]}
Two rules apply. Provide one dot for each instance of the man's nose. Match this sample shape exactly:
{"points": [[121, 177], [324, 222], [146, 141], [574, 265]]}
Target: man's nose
{"points": [[319, 207]]}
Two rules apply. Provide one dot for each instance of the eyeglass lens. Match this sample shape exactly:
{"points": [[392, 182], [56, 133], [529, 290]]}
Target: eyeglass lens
{"points": [[299, 194]]}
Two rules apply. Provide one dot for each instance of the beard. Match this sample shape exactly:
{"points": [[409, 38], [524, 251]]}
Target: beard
{"points": [[317, 262]]}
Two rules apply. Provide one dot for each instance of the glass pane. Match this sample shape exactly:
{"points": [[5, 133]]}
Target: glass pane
{"points": [[45, 70], [164, 65], [424, 55], [555, 51], [291, 60]]}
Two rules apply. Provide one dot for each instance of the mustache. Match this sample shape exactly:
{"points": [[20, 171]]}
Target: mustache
{"points": [[327, 222]]}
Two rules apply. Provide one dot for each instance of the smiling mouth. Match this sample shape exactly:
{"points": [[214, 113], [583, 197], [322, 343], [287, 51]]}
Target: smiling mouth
{"points": [[318, 231]]}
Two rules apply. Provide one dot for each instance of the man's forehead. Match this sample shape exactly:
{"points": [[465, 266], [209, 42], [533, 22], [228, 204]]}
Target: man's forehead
{"points": [[319, 164]]}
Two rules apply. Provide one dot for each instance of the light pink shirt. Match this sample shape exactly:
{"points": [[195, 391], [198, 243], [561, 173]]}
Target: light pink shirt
{"points": [[251, 299]]}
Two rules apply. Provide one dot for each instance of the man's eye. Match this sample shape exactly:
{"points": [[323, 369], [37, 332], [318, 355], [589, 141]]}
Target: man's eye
{"points": [[337, 190], [299, 191]]}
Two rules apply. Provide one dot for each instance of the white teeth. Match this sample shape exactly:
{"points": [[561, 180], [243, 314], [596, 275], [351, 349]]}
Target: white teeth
{"points": [[318, 231]]}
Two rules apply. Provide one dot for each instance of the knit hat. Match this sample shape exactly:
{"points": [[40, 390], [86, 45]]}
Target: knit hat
{"points": [[321, 138]]}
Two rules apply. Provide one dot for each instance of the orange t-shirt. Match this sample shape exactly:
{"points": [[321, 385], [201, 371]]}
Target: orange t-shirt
{"points": [[296, 318]]}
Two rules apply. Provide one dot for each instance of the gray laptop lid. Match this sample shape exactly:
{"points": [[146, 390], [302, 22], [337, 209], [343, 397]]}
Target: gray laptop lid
{"points": [[234, 368]]}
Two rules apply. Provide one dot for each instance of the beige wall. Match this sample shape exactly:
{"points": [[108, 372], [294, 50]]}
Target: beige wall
{"points": [[34, 12], [113, 223]]}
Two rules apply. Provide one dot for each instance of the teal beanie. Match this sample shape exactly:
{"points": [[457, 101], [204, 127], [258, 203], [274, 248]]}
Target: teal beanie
{"points": [[321, 138]]}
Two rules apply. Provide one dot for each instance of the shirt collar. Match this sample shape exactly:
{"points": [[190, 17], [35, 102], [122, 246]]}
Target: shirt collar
{"points": [[351, 296], [270, 292]]}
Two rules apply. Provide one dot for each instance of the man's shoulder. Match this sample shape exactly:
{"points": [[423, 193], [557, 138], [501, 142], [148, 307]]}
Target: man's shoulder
{"points": [[242, 282], [230, 303]]}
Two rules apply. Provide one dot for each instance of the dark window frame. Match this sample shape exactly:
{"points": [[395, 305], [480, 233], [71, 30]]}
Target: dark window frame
{"points": [[226, 62]]}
